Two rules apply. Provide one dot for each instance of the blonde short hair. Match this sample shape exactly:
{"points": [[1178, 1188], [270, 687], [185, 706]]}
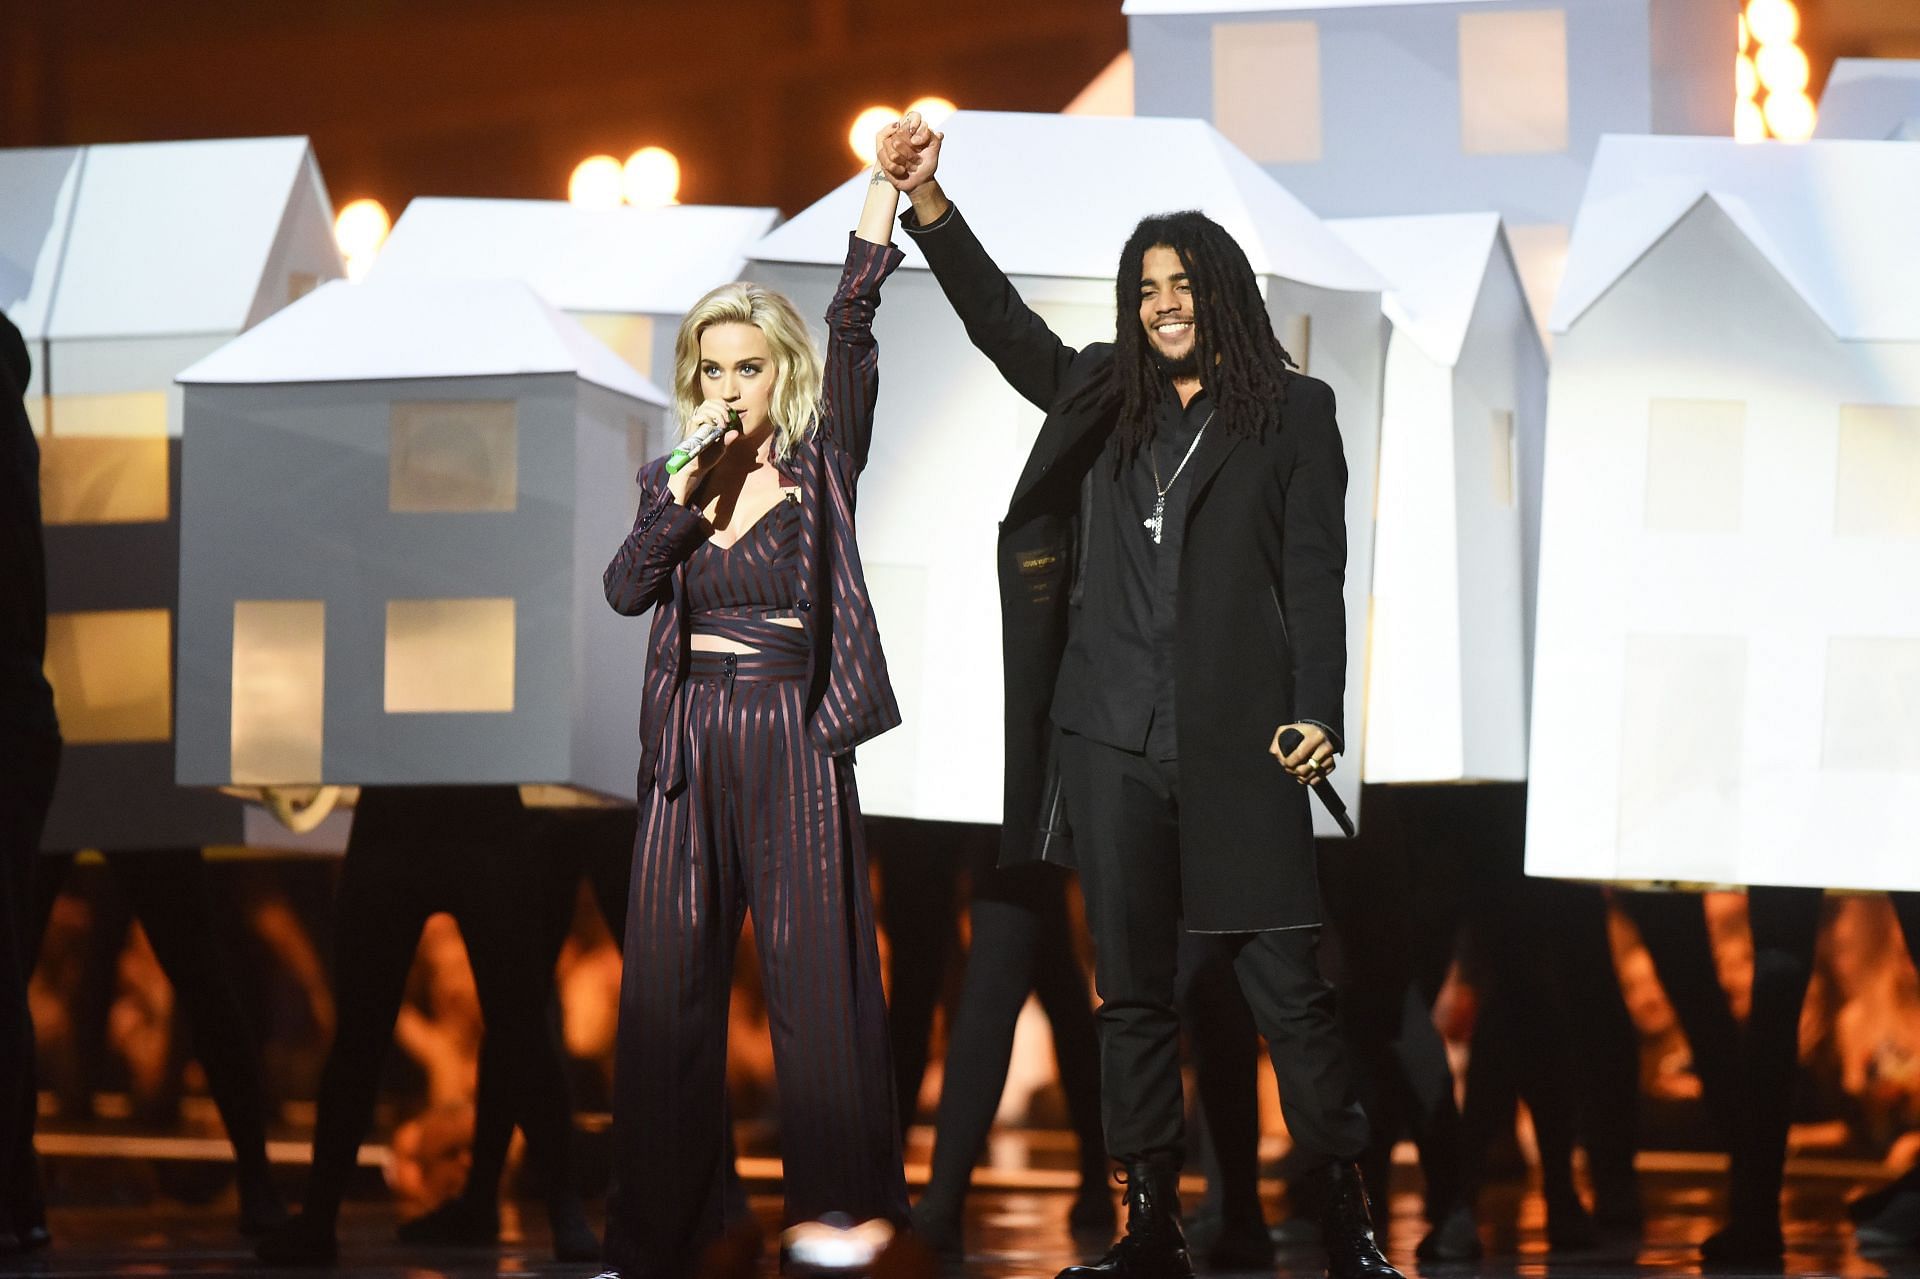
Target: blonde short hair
{"points": [[795, 403]]}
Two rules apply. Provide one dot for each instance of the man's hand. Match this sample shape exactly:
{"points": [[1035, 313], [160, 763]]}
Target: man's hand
{"points": [[1311, 760], [908, 152]]}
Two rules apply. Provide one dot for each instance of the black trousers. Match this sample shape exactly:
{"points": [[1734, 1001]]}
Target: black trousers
{"points": [[416, 851], [26, 791], [765, 823], [1124, 809], [169, 891], [1786, 930], [1021, 943]]}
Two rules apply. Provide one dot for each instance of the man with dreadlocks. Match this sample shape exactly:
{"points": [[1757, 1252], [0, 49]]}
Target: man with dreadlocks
{"points": [[1171, 569]]}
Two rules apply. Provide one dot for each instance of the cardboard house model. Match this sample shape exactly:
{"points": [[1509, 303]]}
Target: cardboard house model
{"points": [[122, 265], [1727, 675], [951, 436], [628, 275], [397, 505], [1364, 107], [1456, 540], [1871, 98]]}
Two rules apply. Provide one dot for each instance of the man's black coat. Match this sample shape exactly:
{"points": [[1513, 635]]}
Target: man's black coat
{"points": [[1260, 622]]}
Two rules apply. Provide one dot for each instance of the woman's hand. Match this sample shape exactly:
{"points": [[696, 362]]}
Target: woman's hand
{"points": [[687, 480], [908, 152]]}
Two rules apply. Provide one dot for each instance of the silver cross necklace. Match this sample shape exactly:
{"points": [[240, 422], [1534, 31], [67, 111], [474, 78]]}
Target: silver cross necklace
{"points": [[1157, 522]]}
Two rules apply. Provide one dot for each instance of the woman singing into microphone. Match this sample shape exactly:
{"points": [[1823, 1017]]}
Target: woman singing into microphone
{"points": [[764, 672]]}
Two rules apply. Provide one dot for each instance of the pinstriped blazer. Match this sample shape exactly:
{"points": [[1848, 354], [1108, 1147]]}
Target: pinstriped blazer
{"points": [[849, 697]]}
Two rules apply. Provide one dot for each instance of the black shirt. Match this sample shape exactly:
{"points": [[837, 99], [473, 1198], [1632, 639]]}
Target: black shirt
{"points": [[1116, 676], [26, 703]]}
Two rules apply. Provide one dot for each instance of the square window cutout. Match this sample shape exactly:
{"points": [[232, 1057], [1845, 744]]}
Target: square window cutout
{"points": [[1695, 456], [450, 655], [1513, 82], [1266, 89]]}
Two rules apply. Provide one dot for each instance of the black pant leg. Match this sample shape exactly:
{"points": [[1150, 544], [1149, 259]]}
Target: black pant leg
{"points": [[1786, 929], [504, 912], [1605, 1042], [1673, 926], [1293, 1007], [1127, 845], [26, 791], [387, 881], [1061, 985], [1225, 1050], [172, 897], [919, 912]]}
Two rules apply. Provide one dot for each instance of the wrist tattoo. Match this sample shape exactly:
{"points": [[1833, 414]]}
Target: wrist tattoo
{"points": [[879, 176]]}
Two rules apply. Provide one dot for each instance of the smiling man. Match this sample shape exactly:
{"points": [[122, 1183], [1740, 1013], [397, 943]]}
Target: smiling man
{"points": [[1171, 567]]}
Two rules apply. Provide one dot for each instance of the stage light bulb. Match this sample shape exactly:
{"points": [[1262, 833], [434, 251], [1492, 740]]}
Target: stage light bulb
{"points": [[1749, 122], [1790, 116], [359, 230], [1773, 21], [595, 183], [865, 125], [1782, 68], [933, 109], [1745, 37], [1746, 81], [651, 178]]}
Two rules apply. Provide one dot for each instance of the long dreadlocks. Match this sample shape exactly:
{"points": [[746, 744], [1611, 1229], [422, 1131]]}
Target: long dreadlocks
{"points": [[1242, 365]]}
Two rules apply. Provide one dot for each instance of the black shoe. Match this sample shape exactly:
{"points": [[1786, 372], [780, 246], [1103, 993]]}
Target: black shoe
{"points": [[1744, 1243], [1456, 1238], [303, 1241], [1347, 1225], [1153, 1247], [1895, 1226], [573, 1237], [460, 1222], [940, 1229]]}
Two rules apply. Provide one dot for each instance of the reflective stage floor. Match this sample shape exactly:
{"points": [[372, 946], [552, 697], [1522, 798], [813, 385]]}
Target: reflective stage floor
{"points": [[1012, 1232]]}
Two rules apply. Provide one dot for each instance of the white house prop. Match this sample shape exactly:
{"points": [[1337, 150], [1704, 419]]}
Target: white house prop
{"points": [[1727, 678], [628, 275], [1456, 540], [951, 436], [398, 501], [123, 265], [1873, 98]]}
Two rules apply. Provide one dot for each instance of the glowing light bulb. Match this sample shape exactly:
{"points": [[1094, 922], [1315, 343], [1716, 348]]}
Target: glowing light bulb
{"points": [[865, 126], [359, 230], [1782, 68], [651, 178], [1749, 122], [934, 110], [595, 183], [1746, 81], [1773, 21], [1790, 116], [1745, 37]]}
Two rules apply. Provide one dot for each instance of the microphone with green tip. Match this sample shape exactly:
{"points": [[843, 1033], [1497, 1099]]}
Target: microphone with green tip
{"points": [[700, 441]]}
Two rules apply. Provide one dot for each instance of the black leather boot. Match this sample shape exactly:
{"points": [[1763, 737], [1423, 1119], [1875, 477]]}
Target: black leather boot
{"points": [[1347, 1225], [1153, 1247]]}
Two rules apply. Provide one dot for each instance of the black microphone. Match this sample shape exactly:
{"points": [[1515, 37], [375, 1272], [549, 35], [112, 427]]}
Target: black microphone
{"points": [[700, 441], [1329, 797]]}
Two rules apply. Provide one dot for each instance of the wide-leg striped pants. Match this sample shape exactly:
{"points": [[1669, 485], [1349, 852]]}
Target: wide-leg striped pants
{"points": [[764, 823]]}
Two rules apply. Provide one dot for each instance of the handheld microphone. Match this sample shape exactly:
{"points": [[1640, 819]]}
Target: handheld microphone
{"points": [[1329, 797], [700, 441]]}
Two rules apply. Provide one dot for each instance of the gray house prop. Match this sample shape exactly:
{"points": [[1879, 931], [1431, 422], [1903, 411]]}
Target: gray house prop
{"points": [[397, 504], [1873, 98], [1727, 654], [122, 265], [1456, 537], [951, 436], [628, 275]]}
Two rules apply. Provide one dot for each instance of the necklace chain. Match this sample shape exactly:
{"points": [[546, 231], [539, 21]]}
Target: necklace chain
{"points": [[1156, 523]]}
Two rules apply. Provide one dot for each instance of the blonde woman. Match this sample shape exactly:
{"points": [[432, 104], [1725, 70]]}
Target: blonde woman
{"points": [[764, 672]]}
